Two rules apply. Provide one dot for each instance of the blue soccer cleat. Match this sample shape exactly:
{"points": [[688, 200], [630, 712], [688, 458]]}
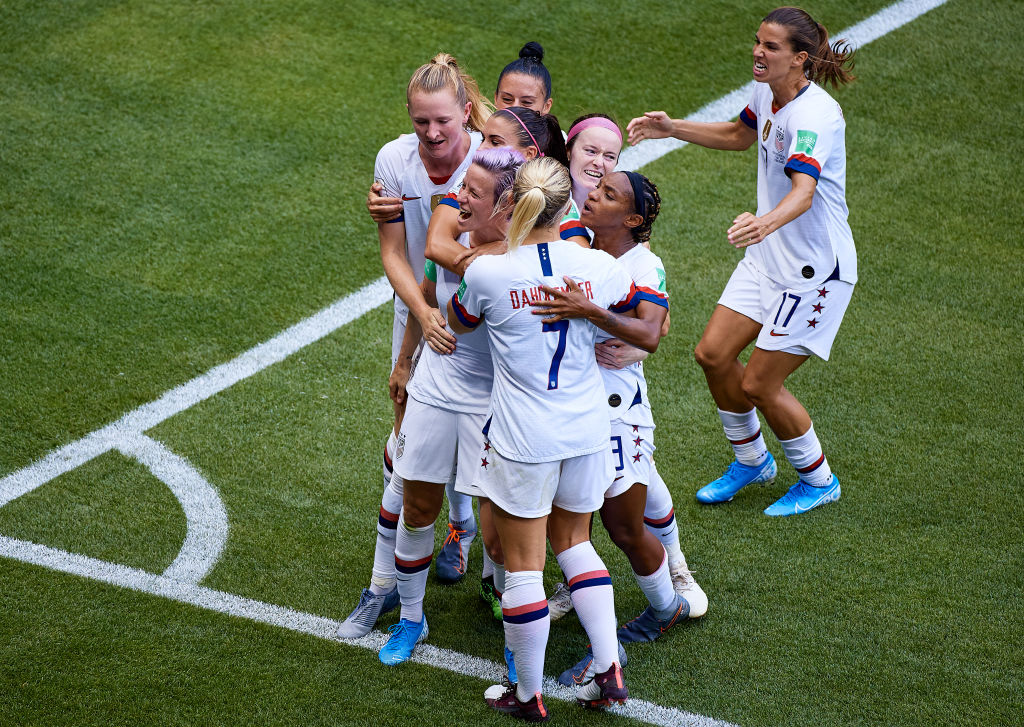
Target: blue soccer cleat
{"points": [[404, 636], [803, 497], [648, 626], [450, 564], [735, 479], [366, 613], [583, 672]]}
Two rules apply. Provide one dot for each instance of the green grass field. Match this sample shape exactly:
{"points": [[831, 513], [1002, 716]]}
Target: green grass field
{"points": [[182, 181]]}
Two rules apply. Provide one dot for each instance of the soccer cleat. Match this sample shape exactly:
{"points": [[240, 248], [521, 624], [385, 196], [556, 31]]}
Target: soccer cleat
{"points": [[604, 689], [404, 636], [648, 626], [688, 588], [560, 602], [506, 701], [510, 667], [451, 561], [735, 479], [803, 497], [366, 613], [489, 596], [583, 672]]}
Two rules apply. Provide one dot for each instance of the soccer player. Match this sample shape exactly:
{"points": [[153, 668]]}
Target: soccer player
{"points": [[444, 106], [593, 144], [447, 401], [791, 289], [525, 82], [545, 458]]}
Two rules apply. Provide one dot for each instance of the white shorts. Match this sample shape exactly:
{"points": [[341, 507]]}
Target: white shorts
{"points": [[436, 443], [801, 322], [632, 456], [529, 489]]}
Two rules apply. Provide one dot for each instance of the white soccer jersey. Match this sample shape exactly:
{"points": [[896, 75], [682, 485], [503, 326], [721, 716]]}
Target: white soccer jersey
{"points": [[400, 170], [807, 135], [627, 388], [460, 381], [548, 401]]}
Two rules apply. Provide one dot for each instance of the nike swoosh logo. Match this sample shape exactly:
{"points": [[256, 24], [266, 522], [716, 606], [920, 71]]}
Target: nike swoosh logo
{"points": [[827, 497], [773, 333], [408, 199]]}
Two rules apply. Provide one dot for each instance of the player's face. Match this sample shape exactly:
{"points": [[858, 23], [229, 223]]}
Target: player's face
{"points": [[502, 131], [774, 58], [476, 199], [438, 120], [519, 89], [609, 203], [593, 155]]}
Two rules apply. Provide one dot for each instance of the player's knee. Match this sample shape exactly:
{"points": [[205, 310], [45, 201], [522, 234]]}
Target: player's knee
{"points": [[756, 390], [708, 358], [626, 537]]}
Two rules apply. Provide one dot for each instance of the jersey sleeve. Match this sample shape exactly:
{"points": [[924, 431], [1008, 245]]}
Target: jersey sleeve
{"points": [[811, 141], [451, 199], [468, 301], [571, 225], [387, 170], [622, 293], [650, 284]]}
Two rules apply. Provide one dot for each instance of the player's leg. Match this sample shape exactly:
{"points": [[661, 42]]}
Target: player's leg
{"points": [[414, 549], [660, 519], [622, 515], [764, 384], [727, 334]]}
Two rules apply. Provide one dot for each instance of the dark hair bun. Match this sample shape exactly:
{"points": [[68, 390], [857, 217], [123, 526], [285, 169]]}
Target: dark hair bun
{"points": [[532, 51]]}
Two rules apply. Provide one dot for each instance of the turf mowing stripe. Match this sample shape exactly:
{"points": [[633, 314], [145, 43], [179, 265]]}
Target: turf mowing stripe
{"points": [[727, 107], [311, 624]]}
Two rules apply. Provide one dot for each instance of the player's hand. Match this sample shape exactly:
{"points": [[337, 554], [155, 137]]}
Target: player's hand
{"points": [[747, 230], [463, 259], [652, 125], [399, 380], [616, 354], [435, 333], [562, 304], [382, 209]]}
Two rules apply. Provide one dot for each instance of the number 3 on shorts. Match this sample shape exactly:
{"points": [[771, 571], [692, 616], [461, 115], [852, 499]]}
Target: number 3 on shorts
{"points": [[556, 360]]}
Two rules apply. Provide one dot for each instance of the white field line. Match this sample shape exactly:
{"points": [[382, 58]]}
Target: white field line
{"points": [[729, 106], [311, 624], [207, 530], [123, 435]]}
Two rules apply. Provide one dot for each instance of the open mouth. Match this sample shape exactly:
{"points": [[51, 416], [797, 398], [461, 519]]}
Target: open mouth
{"points": [[464, 215], [593, 174], [759, 67]]}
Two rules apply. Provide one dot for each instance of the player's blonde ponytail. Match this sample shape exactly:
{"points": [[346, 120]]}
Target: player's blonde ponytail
{"points": [[443, 73], [541, 194]]}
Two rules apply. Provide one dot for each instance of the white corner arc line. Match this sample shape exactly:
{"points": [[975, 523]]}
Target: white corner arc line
{"points": [[206, 520], [728, 107], [311, 624]]}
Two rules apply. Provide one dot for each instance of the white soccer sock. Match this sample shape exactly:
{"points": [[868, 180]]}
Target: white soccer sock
{"points": [[383, 578], [500, 579], [660, 517], [527, 624], [488, 568], [591, 589], [414, 549], [744, 434], [657, 587], [460, 505], [805, 454], [389, 457]]}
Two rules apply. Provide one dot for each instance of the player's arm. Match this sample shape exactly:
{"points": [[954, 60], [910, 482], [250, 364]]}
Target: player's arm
{"points": [[730, 135], [443, 246], [617, 354], [748, 230], [400, 275], [640, 327], [459, 322]]}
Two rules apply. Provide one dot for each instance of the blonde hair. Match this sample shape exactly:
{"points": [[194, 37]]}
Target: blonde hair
{"points": [[541, 193], [443, 73]]}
